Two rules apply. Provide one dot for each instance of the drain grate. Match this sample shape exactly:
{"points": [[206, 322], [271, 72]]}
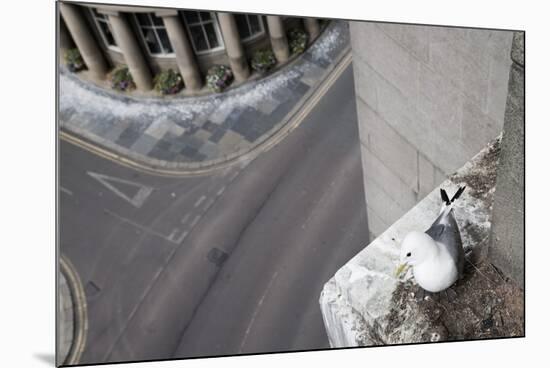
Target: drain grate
{"points": [[217, 256]]}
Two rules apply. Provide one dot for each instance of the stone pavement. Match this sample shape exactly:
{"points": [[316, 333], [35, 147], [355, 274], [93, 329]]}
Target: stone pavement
{"points": [[187, 132], [66, 320]]}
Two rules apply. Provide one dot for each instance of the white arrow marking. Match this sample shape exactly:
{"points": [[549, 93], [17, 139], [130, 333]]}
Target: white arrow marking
{"points": [[136, 200]]}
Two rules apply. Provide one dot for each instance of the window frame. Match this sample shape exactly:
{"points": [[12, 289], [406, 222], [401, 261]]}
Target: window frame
{"points": [[95, 13], [255, 36], [215, 23], [154, 28]]}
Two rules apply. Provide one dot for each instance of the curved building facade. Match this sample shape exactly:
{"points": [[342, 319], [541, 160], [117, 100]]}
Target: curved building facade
{"points": [[150, 40]]}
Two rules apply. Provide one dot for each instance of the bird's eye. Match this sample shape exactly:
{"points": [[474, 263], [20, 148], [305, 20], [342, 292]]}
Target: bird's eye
{"points": [[409, 254]]}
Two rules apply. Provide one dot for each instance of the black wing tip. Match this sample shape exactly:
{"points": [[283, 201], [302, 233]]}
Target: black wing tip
{"points": [[444, 196], [458, 193]]}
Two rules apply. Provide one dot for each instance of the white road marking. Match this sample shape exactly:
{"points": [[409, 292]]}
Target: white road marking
{"points": [[199, 201], [185, 218], [234, 176], [141, 227], [195, 220], [209, 203], [136, 200], [258, 306], [219, 193], [182, 237], [65, 190], [173, 234]]}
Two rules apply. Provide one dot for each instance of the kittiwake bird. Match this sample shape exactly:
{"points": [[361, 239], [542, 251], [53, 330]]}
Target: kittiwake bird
{"points": [[436, 255]]}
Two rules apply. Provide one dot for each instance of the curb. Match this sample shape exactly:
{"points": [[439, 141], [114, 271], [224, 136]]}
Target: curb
{"points": [[176, 169], [125, 157], [80, 311]]}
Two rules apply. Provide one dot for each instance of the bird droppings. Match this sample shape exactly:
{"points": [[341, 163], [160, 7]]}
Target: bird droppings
{"points": [[486, 306], [482, 177], [386, 310]]}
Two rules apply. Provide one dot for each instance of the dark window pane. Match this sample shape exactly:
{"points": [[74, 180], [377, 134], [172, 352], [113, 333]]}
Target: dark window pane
{"points": [[198, 38], [157, 21], [254, 24], [98, 15], [107, 33], [212, 36], [164, 41], [143, 19], [191, 17], [205, 16], [151, 40], [242, 26]]}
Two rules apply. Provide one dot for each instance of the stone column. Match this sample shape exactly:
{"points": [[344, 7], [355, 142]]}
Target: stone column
{"points": [[507, 242], [184, 52], [126, 40], [233, 46], [279, 42], [65, 40], [312, 27], [85, 42]]}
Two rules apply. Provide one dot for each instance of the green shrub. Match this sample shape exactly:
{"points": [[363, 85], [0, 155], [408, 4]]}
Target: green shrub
{"points": [[168, 82], [121, 79], [297, 40], [74, 61], [263, 60], [219, 77]]}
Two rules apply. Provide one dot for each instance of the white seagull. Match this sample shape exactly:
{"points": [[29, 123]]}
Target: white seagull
{"points": [[436, 256]]}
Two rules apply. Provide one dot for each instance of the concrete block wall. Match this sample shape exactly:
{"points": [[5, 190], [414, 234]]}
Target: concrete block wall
{"points": [[428, 99]]}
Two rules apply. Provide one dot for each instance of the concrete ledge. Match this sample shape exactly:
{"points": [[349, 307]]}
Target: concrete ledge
{"points": [[364, 304]]}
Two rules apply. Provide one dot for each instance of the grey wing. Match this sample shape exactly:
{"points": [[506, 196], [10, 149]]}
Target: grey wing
{"points": [[445, 231]]}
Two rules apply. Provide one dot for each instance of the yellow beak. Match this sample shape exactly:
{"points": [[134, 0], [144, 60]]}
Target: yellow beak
{"points": [[399, 270]]}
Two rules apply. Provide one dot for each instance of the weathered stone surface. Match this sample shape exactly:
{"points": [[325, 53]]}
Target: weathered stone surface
{"points": [[518, 48], [507, 247], [364, 304], [441, 90], [388, 145]]}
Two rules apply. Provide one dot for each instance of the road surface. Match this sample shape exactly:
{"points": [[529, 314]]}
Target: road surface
{"points": [[226, 263]]}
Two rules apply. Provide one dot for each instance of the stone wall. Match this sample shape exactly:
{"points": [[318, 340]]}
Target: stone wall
{"points": [[428, 99], [365, 304], [507, 248]]}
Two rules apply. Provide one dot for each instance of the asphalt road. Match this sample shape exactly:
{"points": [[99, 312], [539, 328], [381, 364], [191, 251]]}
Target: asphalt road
{"points": [[227, 263]]}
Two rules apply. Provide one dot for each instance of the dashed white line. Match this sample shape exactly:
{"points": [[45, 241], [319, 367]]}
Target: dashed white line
{"points": [[173, 234], [185, 218], [199, 201], [65, 190], [219, 193], [195, 220], [258, 306], [209, 203], [182, 237]]}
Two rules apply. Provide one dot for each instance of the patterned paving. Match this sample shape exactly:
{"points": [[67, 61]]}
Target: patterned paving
{"points": [[198, 129]]}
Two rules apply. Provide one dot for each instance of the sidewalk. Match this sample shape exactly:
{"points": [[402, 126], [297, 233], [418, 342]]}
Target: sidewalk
{"points": [[186, 133]]}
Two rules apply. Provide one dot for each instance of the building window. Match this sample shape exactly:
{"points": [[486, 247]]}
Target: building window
{"points": [[250, 26], [203, 30], [154, 34], [105, 30]]}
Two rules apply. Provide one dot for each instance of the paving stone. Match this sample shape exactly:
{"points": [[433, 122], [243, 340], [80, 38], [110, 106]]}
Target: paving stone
{"points": [[217, 135], [128, 137], [217, 125], [144, 144]]}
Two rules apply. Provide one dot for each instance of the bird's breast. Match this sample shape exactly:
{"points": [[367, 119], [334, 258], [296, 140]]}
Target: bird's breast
{"points": [[435, 276]]}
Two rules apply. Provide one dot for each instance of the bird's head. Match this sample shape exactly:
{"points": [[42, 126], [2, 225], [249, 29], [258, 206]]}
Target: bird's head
{"points": [[416, 248]]}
